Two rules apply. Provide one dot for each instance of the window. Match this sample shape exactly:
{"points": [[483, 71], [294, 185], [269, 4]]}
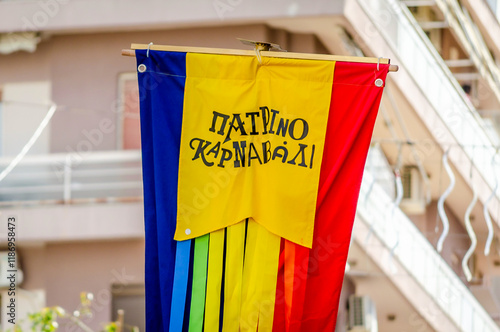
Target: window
{"points": [[129, 133], [23, 107], [130, 299]]}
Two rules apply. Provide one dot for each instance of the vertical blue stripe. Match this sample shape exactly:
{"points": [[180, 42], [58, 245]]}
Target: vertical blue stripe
{"points": [[181, 277], [151, 275], [189, 293], [161, 90]]}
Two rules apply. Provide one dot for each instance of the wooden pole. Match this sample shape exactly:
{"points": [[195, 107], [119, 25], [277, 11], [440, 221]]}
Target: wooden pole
{"points": [[264, 53]]}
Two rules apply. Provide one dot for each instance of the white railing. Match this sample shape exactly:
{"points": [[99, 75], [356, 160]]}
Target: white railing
{"points": [[473, 42], [420, 259], [415, 52], [73, 177]]}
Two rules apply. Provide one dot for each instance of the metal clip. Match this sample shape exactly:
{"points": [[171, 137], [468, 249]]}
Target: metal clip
{"points": [[147, 52]]}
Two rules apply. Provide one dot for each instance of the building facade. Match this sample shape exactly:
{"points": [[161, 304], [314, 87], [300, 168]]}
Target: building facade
{"points": [[77, 194]]}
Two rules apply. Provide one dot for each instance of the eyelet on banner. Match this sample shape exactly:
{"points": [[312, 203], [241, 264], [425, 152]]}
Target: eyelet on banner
{"points": [[142, 68], [187, 231], [379, 83]]}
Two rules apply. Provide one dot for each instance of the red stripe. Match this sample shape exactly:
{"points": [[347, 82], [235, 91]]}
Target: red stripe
{"points": [[279, 304], [353, 110]]}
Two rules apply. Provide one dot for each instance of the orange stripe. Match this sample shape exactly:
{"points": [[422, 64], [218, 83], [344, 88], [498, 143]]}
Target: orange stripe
{"points": [[295, 282], [288, 278]]}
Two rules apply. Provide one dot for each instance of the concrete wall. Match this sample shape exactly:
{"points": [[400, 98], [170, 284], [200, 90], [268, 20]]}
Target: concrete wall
{"points": [[394, 311]]}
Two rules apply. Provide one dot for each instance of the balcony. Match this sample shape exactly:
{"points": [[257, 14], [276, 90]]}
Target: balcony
{"points": [[431, 90], [65, 197], [414, 266], [73, 178]]}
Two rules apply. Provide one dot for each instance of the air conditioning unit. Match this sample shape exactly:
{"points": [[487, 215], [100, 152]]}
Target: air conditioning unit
{"points": [[413, 201], [362, 314]]}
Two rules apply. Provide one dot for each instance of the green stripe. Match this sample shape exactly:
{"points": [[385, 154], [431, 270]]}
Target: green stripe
{"points": [[200, 263]]}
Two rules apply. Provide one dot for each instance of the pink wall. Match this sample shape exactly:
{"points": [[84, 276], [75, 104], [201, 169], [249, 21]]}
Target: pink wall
{"points": [[84, 69], [66, 269]]}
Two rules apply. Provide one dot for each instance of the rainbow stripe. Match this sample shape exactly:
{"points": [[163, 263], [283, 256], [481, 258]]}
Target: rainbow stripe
{"points": [[255, 261]]}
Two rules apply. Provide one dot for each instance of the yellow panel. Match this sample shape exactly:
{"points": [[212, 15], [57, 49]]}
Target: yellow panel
{"points": [[252, 144]]}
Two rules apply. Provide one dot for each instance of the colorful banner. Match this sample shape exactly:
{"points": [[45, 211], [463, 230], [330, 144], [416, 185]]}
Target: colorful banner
{"points": [[251, 178]]}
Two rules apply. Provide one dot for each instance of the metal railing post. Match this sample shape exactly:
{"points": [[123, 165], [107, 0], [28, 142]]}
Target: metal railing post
{"points": [[67, 179]]}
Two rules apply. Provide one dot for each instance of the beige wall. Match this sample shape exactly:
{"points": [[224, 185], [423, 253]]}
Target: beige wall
{"points": [[84, 70], [457, 242], [348, 289], [66, 269]]}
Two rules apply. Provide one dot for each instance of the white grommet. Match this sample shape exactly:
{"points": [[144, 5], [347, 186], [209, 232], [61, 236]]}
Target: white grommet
{"points": [[379, 82], [187, 231], [142, 68]]}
